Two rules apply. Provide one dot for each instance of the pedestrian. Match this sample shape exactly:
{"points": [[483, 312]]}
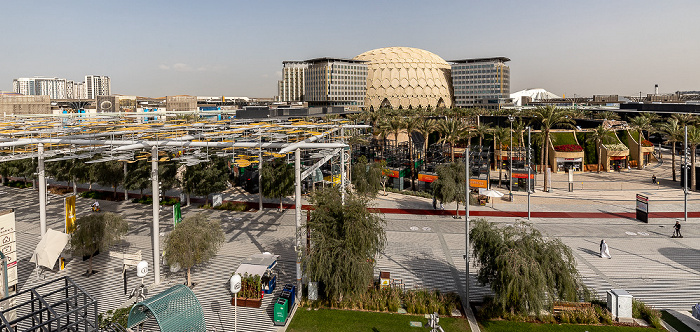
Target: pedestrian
{"points": [[442, 207], [653, 179], [677, 230], [434, 203], [604, 250]]}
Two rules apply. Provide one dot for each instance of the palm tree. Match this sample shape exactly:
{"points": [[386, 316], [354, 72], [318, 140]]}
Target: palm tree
{"points": [[549, 117], [411, 124], [481, 130], [426, 127], [394, 126], [451, 131], [693, 141], [640, 123], [674, 133], [607, 115], [685, 119], [500, 135], [598, 135]]}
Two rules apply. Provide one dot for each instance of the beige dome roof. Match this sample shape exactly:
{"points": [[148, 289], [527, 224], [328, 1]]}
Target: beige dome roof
{"points": [[406, 77]]}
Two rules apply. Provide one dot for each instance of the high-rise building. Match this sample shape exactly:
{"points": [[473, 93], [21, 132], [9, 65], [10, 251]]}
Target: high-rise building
{"points": [[97, 86], [291, 86], [53, 87], [335, 82], [483, 82], [75, 90]]}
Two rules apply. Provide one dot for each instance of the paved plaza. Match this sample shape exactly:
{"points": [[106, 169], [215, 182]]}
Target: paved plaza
{"points": [[423, 250]]}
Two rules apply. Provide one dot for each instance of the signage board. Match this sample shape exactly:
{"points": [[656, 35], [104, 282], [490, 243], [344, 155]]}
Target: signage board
{"points": [[476, 183], [69, 203], [642, 208]]}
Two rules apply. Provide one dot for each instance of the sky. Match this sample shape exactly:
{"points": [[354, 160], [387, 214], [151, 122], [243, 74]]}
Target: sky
{"points": [[235, 48]]}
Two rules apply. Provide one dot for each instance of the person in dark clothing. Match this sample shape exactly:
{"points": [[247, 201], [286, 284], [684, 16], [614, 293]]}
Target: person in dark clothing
{"points": [[653, 179], [677, 230], [434, 203]]}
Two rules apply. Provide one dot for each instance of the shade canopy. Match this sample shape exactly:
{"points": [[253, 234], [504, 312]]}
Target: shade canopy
{"points": [[49, 248], [491, 193], [257, 264]]}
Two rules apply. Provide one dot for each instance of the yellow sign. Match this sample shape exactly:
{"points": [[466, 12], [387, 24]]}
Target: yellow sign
{"points": [[476, 183], [70, 214]]}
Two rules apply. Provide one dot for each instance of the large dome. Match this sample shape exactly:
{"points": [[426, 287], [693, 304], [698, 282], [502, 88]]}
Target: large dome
{"points": [[406, 77]]}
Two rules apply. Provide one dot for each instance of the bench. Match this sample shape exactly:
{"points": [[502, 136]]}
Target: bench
{"points": [[559, 307]]}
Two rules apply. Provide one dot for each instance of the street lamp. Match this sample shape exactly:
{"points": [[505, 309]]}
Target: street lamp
{"points": [[529, 169], [511, 118]]}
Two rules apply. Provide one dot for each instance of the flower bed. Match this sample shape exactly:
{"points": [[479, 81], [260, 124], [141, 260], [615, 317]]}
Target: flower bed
{"points": [[251, 292], [647, 143], [568, 148], [616, 147]]}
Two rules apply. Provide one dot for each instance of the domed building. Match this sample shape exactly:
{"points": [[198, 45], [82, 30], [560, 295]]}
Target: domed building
{"points": [[406, 77]]}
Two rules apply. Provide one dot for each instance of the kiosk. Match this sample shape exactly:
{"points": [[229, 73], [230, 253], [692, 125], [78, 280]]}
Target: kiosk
{"points": [[263, 265]]}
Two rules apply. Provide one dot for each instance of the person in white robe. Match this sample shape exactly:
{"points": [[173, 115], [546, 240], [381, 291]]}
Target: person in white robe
{"points": [[604, 250]]}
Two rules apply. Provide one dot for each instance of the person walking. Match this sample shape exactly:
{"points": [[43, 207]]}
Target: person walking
{"points": [[677, 229], [434, 203], [653, 179], [604, 250]]}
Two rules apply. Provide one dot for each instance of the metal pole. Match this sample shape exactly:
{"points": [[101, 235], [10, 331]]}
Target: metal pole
{"points": [[685, 174], [235, 312], [342, 168], [126, 191], [42, 190], [260, 202], [155, 233], [529, 169], [297, 217], [466, 226], [510, 152]]}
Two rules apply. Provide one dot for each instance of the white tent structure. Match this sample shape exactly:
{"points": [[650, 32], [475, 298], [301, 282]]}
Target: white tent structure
{"points": [[534, 94]]}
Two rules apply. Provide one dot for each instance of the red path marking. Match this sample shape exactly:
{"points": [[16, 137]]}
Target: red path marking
{"points": [[514, 214]]}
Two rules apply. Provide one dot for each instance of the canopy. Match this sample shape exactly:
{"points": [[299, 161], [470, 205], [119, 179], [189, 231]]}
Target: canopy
{"points": [[257, 264], [176, 309], [49, 248], [491, 193]]}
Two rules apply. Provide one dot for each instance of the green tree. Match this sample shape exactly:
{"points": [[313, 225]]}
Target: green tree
{"points": [[549, 117], [451, 130], [607, 115], [411, 124], [426, 127], [206, 178], [366, 177], [499, 136], [277, 179], [599, 135], [345, 240], [138, 176], [526, 271], [97, 231], [449, 186], [693, 141], [673, 133], [109, 173], [193, 241]]}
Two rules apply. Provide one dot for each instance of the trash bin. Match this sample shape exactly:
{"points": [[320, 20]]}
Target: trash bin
{"points": [[281, 311]]}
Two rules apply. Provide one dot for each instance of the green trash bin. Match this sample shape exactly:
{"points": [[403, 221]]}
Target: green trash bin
{"points": [[281, 311]]}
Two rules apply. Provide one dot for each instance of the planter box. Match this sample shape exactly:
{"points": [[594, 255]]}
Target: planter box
{"points": [[248, 302]]}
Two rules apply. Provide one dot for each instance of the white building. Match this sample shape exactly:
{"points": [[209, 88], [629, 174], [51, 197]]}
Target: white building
{"points": [[336, 82], [53, 87], [291, 86], [97, 86]]}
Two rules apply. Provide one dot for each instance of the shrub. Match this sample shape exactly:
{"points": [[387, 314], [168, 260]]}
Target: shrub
{"points": [[19, 184], [410, 192], [642, 311], [568, 148], [119, 316], [96, 195], [149, 200], [233, 206]]}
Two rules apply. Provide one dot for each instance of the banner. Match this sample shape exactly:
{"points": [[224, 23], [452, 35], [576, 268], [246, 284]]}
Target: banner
{"points": [[177, 214], [69, 203]]}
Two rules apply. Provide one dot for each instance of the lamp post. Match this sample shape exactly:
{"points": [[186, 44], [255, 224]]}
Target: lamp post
{"points": [[466, 227], [529, 169], [510, 157], [685, 174]]}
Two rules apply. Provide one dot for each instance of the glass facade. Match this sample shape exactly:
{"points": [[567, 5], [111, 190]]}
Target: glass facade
{"points": [[481, 82], [336, 83]]}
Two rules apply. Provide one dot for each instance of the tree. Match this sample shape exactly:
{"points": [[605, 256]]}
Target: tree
{"points": [[598, 135], [674, 133], [97, 231], [206, 178], [500, 135], [426, 127], [109, 173], [366, 177], [449, 186], [193, 241], [345, 240], [394, 126], [411, 123], [549, 117], [138, 176], [451, 131], [607, 115], [693, 141], [277, 179], [640, 123], [526, 271]]}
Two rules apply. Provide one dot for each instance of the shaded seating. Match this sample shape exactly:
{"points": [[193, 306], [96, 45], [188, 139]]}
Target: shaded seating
{"points": [[175, 309]]}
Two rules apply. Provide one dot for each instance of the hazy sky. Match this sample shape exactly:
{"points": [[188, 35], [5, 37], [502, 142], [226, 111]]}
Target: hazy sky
{"points": [[236, 47]]}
